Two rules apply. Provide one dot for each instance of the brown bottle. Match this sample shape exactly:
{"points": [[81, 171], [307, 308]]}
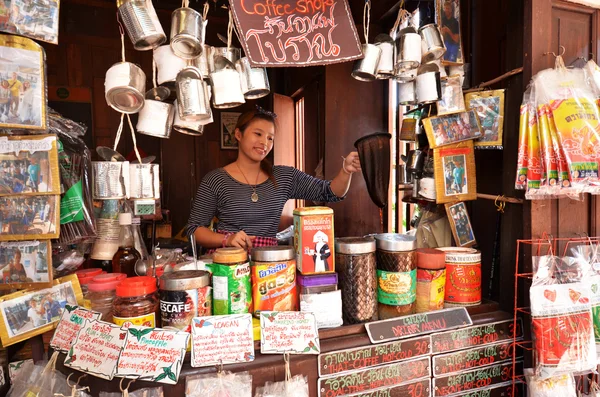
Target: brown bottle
{"points": [[127, 256]]}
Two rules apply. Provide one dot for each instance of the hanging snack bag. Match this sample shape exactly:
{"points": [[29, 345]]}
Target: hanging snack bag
{"points": [[535, 166], [521, 180], [550, 176], [562, 385], [219, 385]]}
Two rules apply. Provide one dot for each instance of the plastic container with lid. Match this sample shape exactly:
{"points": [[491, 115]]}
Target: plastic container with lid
{"points": [[85, 276], [317, 284], [357, 272], [184, 295], [136, 302], [274, 279], [232, 292], [396, 274], [102, 292]]}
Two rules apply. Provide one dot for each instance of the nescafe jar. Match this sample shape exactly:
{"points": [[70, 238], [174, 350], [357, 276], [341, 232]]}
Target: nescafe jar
{"points": [[184, 295], [136, 302], [396, 274], [357, 272]]}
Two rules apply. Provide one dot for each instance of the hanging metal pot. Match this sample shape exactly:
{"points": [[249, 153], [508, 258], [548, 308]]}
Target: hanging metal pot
{"points": [[226, 83], [407, 94], [232, 54], [429, 85], [385, 67], [110, 179], [201, 63], [187, 33], [366, 69], [194, 128], [144, 181], [124, 86], [408, 50], [168, 64], [156, 117], [141, 23], [192, 95], [433, 43], [255, 82]]}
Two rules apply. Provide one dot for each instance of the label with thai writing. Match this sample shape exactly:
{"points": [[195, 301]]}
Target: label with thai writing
{"points": [[505, 389], [417, 388], [153, 354], [289, 332], [396, 288], [469, 380], [222, 339], [147, 320], [375, 378], [363, 357], [71, 322], [16, 367], [471, 358], [476, 335]]}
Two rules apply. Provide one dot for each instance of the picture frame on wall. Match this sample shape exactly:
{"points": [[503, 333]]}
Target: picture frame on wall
{"points": [[29, 217], [25, 264], [454, 171], [453, 99], [460, 223], [452, 128], [228, 123], [489, 106], [448, 21]]}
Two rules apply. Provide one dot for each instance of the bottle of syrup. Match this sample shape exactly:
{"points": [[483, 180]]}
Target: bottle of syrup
{"points": [[126, 256]]}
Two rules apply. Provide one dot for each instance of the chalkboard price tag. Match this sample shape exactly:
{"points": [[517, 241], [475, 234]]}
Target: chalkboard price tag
{"points": [[465, 360], [372, 379], [477, 335], [505, 389], [363, 357], [479, 378], [417, 388], [417, 324]]}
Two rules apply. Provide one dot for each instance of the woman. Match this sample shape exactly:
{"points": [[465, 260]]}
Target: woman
{"points": [[248, 195]]}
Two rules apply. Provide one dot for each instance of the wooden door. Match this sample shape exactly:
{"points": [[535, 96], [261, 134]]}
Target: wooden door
{"points": [[284, 150]]}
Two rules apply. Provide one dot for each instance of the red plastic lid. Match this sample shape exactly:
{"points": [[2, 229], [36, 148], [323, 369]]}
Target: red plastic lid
{"points": [[86, 275], [109, 277], [106, 282], [136, 286]]}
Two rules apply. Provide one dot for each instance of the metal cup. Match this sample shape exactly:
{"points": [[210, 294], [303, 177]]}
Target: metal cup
{"points": [[201, 63], [168, 64], [194, 128], [226, 83], [156, 119], [407, 94], [187, 33], [144, 181], [429, 85], [110, 179], [232, 54], [192, 95], [366, 69], [433, 43], [255, 82], [124, 86], [405, 76], [141, 23], [408, 50], [385, 67]]}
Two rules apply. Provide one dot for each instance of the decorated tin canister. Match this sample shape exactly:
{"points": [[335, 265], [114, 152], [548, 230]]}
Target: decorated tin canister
{"points": [[232, 291], [431, 279], [314, 240], [184, 295], [463, 277], [274, 279]]}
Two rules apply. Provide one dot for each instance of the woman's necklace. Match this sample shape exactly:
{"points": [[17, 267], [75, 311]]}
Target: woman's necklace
{"points": [[254, 196]]}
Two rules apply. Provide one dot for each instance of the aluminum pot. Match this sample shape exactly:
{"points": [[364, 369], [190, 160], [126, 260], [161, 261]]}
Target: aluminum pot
{"points": [[255, 81], [187, 33], [194, 128], [156, 119], [141, 23], [433, 43], [366, 69], [226, 84], [429, 84], [192, 95], [385, 67], [124, 86], [168, 64], [408, 50], [232, 54], [407, 94]]}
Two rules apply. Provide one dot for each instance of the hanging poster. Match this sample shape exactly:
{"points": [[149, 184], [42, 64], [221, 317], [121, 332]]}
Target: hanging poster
{"points": [[296, 32], [289, 332], [71, 322]]}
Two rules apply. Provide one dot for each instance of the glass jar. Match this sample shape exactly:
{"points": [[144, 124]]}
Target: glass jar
{"points": [[85, 276], [232, 293], [357, 270], [102, 292], [136, 302], [317, 284], [396, 274]]}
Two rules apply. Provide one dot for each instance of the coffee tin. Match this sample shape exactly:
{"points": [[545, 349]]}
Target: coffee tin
{"points": [[274, 279], [463, 277], [232, 290], [184, 295], [314, 240]]}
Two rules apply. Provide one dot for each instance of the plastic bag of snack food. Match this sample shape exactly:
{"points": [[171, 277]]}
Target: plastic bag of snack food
{"points": [[561, 385], [146, 392], [224, 384], [522, 160], [295, 387]]}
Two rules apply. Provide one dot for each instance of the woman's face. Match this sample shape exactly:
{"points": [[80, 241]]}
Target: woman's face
{"points": [[257, 140]]}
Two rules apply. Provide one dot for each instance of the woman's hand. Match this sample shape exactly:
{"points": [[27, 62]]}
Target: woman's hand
{"points": [[241, 240], [352, 163]]}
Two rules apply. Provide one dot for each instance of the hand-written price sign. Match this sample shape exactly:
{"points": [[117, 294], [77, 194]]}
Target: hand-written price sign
{"points": [[153, 354], [501, 390], [417, 324], [472, 358], [16, 367], [289, 332], [479, 378], [363, 357], [70, 324], [296, 32], [96, 349], [444, 342], [418, 388], [222, 339], [375, 378]]}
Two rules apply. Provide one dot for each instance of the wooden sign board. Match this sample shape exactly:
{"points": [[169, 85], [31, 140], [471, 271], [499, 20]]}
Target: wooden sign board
{"points": [[479, 378], [505, 389], [350, 360], [371, 379], [465, 360], [417, 388], [296, 32], [477, 335], [417, 324]]}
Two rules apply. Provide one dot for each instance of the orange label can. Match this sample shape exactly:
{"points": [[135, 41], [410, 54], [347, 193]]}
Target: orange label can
{"points": [[314, 240], [463, 279]]}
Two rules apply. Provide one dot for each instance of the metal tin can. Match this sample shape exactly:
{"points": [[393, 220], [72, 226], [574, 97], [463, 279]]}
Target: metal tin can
{"points": [[184, 295], [314, 240], [274, 279], [463, 277], [232, 291]]}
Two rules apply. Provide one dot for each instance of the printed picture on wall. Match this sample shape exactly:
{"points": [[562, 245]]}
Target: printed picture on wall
{"points": [[461, 224], [452, 96], [448, 20], [228, 122], [452, 128], [35, 19], [489, 106], [455, 175], [34, 217], [25, 262]]}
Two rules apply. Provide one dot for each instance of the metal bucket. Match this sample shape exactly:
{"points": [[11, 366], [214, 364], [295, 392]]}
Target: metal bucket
{"points": [[194, 128], [201, 63], [366, 69], [124, 86], [156, 119], [433, 43], [110, 179], [255, 82], [193, 96], [141, 23], [407, 94], [168, 64], [408, 50], [232, 54], [429, 85], [227, 85], [187, 33], [385, 67], [144, 181]]}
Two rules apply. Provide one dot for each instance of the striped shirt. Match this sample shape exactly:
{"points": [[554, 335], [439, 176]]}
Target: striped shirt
{"points": [[220, 195]]}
